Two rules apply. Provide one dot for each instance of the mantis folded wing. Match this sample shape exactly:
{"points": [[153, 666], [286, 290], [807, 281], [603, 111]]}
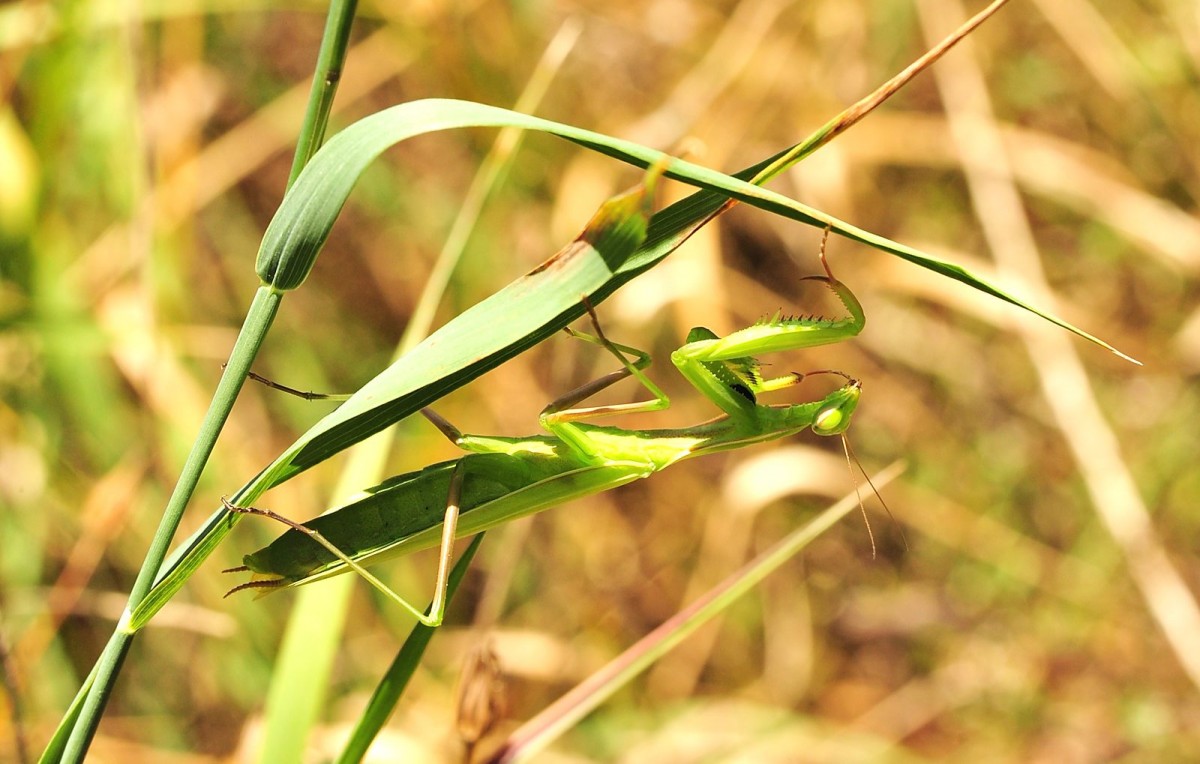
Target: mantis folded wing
{"points": [[503, 478]]}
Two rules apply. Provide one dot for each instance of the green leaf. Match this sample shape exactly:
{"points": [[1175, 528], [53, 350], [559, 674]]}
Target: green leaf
{"points": [[514, 319]]}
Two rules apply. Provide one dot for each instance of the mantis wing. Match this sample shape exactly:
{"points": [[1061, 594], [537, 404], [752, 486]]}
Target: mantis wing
{"points": [[404, 514]]}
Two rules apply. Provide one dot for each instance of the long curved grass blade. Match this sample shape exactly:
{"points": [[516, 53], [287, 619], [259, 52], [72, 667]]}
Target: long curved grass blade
{"points": [[514, 319], [297, 233], [545, 299]]}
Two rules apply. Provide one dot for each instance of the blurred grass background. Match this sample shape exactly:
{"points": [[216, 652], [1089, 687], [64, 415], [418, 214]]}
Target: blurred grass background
{"points": [[143, 149]]}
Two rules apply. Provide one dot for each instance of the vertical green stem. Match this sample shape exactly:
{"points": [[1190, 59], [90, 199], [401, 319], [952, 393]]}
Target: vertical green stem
{"points": [[324, 85], [83, 718], [258, 320]]}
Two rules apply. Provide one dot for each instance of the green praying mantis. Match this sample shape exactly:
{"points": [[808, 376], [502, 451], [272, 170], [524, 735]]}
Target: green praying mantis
{"points": [[503, 478]]}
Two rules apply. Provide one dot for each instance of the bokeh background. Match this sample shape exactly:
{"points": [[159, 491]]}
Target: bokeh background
{"points": [[1032, 598]]}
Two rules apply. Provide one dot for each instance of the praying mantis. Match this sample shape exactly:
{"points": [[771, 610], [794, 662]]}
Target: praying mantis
{"points": [[502, 478]]}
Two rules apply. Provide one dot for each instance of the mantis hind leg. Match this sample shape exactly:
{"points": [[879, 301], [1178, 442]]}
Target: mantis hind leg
{"points": [[437, 607]]}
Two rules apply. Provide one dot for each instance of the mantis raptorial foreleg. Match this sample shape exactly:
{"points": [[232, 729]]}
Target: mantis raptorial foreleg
{"points": [[559, 417], [726, 368]]}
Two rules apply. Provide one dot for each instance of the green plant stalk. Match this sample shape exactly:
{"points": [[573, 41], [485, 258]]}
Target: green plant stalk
{"points": [[57, 744], [254, 330], [263, 308], [330, 59], [390, 687], [564, 713]]}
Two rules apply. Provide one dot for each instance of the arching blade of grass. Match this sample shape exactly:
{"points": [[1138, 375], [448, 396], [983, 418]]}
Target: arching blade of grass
{"points": [[514, 319], [303, 222]]}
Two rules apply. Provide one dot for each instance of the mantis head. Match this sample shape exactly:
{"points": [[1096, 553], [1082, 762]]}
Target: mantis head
{"points": [[833, 417]]}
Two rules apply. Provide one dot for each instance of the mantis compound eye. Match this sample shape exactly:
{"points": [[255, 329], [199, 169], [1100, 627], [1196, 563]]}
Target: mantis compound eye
{"points": [[834, 417], [830, 420]]}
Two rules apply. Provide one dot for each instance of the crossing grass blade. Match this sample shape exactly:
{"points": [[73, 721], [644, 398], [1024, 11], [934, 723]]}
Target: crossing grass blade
{"points": [[527, 311]]}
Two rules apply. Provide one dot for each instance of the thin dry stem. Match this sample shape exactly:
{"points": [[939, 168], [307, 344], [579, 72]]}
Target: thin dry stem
{"points": [[1064, 380]]}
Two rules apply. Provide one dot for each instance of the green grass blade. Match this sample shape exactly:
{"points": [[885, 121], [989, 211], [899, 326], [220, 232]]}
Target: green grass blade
{"points": [[306, 642], [330, 59], [299, 230], [509, 322], [391, 686]]}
